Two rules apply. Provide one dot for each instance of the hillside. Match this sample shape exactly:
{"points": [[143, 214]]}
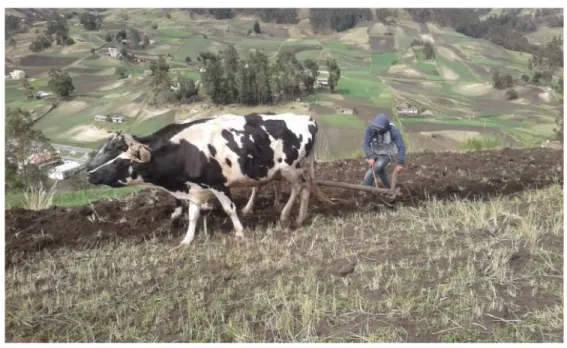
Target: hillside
{"points": [[380, 71], [471, 251]]}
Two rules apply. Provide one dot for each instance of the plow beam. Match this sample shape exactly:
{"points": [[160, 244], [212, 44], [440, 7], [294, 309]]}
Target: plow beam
{"points": [[345, 185]]}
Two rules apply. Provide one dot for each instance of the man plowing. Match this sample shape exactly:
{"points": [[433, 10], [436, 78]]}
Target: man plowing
{"points": [[381, 141]]}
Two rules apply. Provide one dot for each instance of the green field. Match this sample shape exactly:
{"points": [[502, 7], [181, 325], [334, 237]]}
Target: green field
{"points": [[383, 61], [343, 121]]}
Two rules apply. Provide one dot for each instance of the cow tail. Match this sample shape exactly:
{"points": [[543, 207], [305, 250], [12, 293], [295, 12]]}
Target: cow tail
{"points": [[314, 187]]}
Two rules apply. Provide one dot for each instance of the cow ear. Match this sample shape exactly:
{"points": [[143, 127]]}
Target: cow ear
{"points": [[140, 153], [145, 155]]}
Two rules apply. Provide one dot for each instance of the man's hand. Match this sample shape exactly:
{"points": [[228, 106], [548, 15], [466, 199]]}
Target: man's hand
{"points": [[371, 163], [399, 168]]}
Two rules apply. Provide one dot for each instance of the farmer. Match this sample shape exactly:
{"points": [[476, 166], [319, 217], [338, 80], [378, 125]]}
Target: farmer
{"points": [[381, 140]]}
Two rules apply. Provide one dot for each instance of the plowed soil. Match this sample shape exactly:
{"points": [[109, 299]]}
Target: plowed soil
{"points": [[146, 216]]}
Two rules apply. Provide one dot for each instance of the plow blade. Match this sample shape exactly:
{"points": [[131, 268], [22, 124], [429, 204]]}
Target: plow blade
{"points": [[345, 185]]}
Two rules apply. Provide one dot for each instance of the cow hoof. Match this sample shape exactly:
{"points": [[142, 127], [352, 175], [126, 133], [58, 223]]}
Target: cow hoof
{"points": [[239, 237]]}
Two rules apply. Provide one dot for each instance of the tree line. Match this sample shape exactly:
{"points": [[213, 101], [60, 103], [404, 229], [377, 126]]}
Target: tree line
{"points": [[229, 79], [506, 29]]}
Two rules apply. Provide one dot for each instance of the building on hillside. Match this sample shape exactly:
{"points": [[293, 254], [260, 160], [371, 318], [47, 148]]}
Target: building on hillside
{"points": [[411, 111], [41, 94], [118, 119], [322, 82], [65, 170], [18, 74], [101, 118], [114, 52]]}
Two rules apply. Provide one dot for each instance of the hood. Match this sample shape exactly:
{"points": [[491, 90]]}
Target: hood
{"points": [[381, 121]]}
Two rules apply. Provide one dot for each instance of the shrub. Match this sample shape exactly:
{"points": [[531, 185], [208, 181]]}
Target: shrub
{"points": [[511, 94], [483, 143]]}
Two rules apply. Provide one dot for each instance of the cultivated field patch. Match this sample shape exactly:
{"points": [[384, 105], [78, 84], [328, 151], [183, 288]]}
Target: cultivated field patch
{"points": [[384, 44], [47, 61]]}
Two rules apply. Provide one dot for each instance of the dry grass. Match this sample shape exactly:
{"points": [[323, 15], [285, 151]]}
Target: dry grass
{"points": [[38, 198], [449, 272]]}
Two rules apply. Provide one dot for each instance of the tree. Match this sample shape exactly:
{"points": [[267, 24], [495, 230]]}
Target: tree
{"points": [[58, 28], [559, 87], [511, 94], [28, 88], [91, 20], [260, 66], [559, 122], [186, 89], [154, 26], [60, 83], [256, 27], [93, 51], [135, 37], [22, 141], [230, 60], [334, 73], [310, 74], [121, 71], [146, 41], [212, 78], [187, 60], [40, 43], [287, 75], [108, 37], [525, 78], [160, 84], [428, 51], [121, 35], [12, 24]]}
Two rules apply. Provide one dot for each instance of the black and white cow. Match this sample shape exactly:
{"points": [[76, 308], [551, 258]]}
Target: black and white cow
{"points": [[199, 160]]}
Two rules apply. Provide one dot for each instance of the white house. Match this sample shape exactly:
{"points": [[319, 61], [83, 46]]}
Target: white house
{"points": [[101, 118], [18, 74], [322, 82], [114, 52], [118, 119], [66, 170], [42, 94], [408, 111]]}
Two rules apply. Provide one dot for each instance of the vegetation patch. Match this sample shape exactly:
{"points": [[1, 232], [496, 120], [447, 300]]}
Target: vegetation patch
{"points": [[342, 121]]}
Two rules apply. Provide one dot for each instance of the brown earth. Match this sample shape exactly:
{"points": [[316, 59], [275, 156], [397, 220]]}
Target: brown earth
{"points": [[38, 60], [423, 28], [146, 216], [382, 44]]}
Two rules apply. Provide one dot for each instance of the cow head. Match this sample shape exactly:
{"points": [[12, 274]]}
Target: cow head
{"points": [[114, 163]]}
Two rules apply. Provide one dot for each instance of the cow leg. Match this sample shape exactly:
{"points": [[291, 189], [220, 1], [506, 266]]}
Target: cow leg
{"points": [[194, 213], [303, 205], [178, 209], [277, 194], [250, 205], [224, 197], [284, 217]]}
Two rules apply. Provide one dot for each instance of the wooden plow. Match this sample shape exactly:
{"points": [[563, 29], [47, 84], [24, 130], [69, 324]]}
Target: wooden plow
{"points": [[391, 193]]}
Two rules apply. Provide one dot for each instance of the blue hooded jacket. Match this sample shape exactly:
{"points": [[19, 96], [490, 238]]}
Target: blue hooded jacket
{"points": [[382, 121]]}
